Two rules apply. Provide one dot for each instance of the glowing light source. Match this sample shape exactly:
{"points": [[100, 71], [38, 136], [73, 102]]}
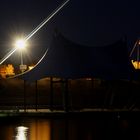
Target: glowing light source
{"points": [[136, 48], [20, 44], [30, 67], [136, 64]]}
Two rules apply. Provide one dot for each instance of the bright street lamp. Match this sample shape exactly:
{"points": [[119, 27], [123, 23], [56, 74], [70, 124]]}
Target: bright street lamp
{"points": [[21, 44]]}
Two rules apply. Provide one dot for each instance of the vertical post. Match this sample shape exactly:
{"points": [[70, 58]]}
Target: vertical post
{"points": [[21, 63], [24, 96], [65, 94], [36, 93], [51, 93], [92, 84], [21, 55]]}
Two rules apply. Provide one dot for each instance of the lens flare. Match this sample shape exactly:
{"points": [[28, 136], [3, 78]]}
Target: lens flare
{"points": [[8, 55], [21, 43], [46, 20]]}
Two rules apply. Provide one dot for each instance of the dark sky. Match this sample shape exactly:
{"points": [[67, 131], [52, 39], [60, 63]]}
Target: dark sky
{"points": [[88, 22]]}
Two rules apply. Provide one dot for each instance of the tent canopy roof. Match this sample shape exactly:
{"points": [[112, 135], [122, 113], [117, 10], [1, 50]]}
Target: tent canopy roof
{"points": [[66, 59]]}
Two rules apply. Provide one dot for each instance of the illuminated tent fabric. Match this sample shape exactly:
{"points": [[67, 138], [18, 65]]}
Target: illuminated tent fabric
{"points": [[65, 59]]}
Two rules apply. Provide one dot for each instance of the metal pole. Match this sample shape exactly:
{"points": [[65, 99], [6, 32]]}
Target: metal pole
{"points": [[24, 96], [36, 93], [133, 48], [51, 93], [65, 94], [21, 57]]}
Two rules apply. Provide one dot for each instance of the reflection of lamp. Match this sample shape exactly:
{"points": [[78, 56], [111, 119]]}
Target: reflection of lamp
{"points": [[21, 133], [136, 63]]}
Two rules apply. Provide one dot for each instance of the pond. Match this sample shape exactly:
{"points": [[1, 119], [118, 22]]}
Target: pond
{"points": [[89, 126]]}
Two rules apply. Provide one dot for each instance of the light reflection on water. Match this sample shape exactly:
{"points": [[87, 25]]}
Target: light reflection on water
{"points": [[75, 128], [39, 130], [36, 130], [25, 129], [21, 133]]}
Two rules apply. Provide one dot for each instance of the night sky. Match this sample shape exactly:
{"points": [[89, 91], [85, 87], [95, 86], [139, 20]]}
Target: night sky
{"points": [[87, 22]]}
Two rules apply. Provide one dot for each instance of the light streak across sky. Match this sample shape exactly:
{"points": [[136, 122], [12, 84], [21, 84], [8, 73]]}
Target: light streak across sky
{"points": [[8, 55], [45, 21], [35, 30]]}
